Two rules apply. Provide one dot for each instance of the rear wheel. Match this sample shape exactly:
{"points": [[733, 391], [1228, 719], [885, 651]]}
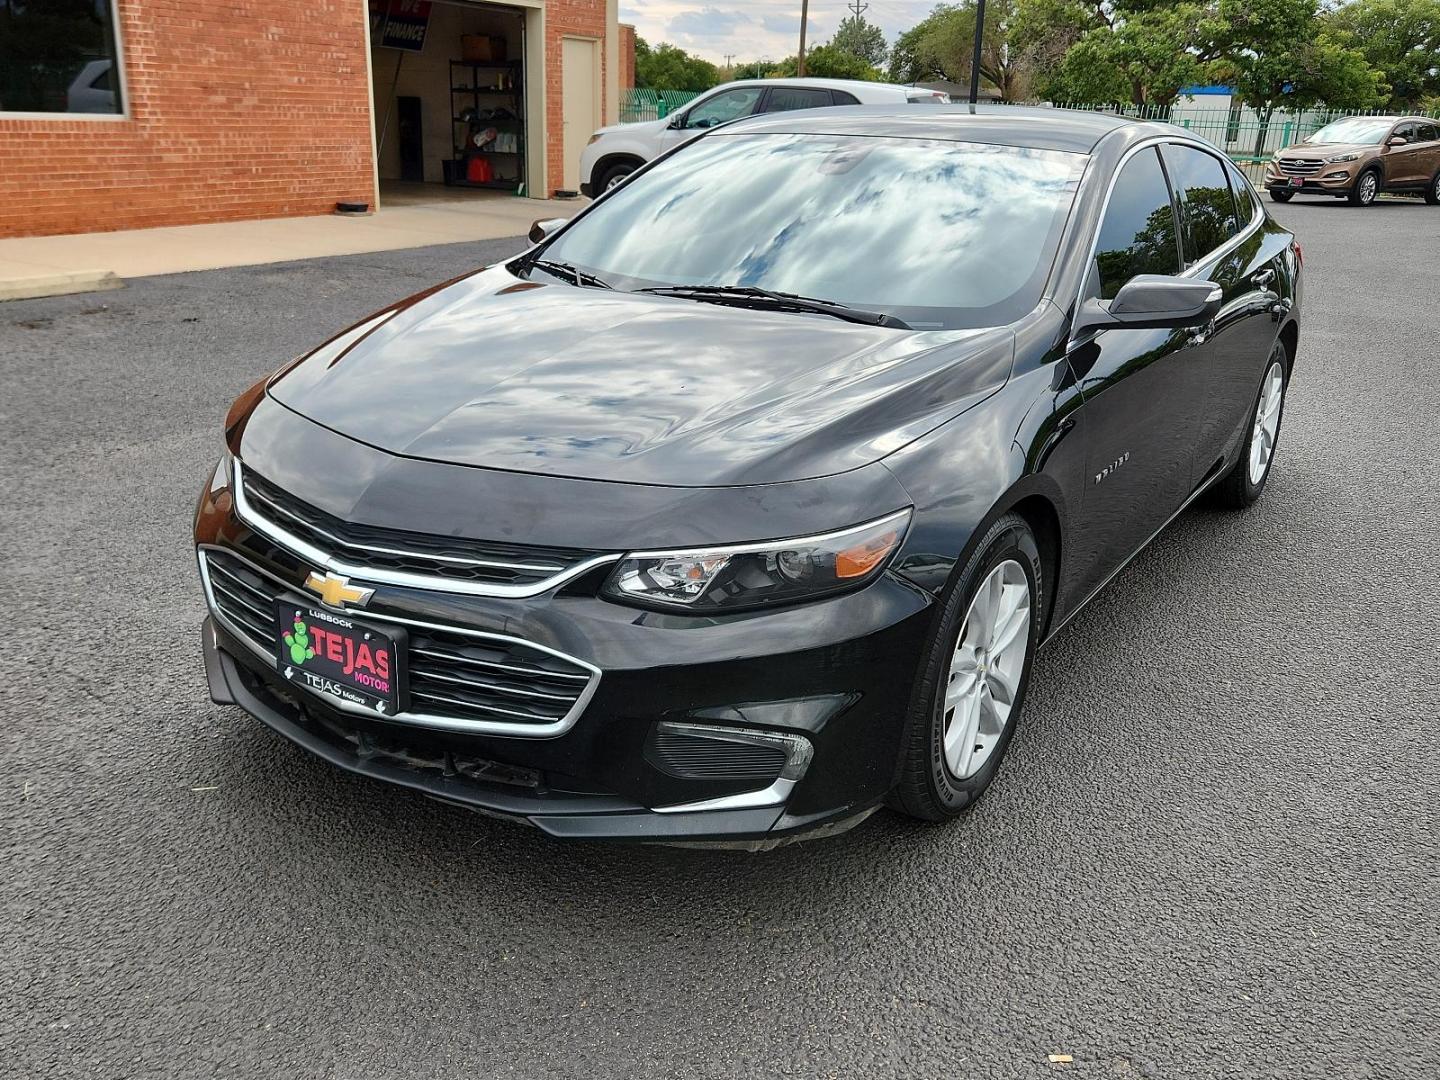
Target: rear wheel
{"points": [[1280, 195], [1432, 193], [1243, 484], [974, 675], [1365, 189]]}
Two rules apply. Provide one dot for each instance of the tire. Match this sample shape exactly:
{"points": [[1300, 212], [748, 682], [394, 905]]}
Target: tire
{"points": [[1367, 187], [930, 787], [1281, 196], [1432, 193], [1243, 483], [613, 174]]}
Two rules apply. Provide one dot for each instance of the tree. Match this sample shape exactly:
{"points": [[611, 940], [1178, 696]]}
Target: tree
{"points": [[941, 47], [1401, 39], [1278, 52], [827, 62], [756, 69], [666, 67], [861, 38]]}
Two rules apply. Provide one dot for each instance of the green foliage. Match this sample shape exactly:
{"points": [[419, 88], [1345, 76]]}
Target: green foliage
{"points": [[941, 47], [1281, 52], [1399, 38], [824, 62], [861, 38], [666, 67], [755, 69]]}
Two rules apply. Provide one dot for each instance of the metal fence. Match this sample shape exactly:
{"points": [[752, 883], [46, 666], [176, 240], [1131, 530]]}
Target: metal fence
{"points": [[637, 105], [1248, 136]]}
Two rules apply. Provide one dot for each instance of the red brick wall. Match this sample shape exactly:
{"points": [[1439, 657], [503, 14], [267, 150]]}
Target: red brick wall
{"points": [[237, 109], [565, 18], [627, 57]]}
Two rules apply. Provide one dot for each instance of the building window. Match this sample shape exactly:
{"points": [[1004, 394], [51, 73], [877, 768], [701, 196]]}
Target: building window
{"points": [[59, 56]]}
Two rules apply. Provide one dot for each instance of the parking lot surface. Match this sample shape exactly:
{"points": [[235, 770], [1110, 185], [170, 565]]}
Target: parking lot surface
{"points": [[1212, 850]]}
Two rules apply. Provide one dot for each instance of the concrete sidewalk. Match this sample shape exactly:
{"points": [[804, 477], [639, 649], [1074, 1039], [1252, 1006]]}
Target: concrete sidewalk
{"points": [[410, 217]]}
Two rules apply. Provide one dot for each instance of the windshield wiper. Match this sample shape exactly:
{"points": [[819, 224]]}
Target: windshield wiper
{"points": [[565, 270], [750, 296]]}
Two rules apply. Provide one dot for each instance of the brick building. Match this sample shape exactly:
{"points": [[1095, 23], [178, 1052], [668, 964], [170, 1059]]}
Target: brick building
{"points": [[134, 113]]}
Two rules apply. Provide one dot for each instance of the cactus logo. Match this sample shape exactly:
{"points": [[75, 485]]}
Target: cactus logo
{"points": [[298, 642]]}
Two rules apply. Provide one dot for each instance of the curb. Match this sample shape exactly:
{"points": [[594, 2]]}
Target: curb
{"points": [[76, 281]]}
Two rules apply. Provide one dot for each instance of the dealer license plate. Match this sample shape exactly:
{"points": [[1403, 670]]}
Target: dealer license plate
{"points": [[1297, 181], [337, 657]]}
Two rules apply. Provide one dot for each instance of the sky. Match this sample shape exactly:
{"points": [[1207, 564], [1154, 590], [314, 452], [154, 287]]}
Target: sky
{"points": [[756, 29]]}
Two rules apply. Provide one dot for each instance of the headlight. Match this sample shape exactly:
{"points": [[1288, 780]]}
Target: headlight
{"points": [[750, 575], [1344, 157], [594, 138]]}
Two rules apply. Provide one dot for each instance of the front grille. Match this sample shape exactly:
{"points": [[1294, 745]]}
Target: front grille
{"points": [[483, 681], [369, 547], [1300, 166]]}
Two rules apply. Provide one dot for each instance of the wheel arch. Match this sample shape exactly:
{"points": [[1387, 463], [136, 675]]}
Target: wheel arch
{"points": [[1290, 338]]}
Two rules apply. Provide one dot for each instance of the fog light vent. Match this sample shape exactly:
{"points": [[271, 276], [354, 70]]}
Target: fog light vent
{"points": [[693, 752]]}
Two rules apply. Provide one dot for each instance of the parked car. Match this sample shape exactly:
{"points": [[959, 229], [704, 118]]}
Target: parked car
{"points": [[1358, 157], [615, 152], [709, 516], [91, 91]]}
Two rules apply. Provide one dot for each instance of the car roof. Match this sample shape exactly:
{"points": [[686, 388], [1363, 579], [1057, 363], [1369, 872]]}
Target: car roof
{"points": [[1006, 125], [805, 80]]}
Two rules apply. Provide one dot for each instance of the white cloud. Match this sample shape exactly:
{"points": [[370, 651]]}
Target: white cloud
{"points": [[756, 29]]}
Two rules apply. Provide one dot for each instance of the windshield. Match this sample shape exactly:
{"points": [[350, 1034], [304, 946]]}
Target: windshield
{"points": [[939, 234], [1354, 129]]}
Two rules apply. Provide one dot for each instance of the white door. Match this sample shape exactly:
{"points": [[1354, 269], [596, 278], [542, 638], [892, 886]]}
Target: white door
{"points": [[580, 72]]}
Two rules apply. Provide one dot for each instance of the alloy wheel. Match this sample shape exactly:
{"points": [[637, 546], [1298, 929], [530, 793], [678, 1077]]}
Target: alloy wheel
{"points": [[1267, 422], [1368, 187], [986, 668]]}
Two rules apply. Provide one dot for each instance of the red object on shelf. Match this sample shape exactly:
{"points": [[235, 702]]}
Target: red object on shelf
{"points": [[478, 171]]}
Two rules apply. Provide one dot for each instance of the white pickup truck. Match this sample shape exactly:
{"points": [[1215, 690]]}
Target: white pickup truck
{"points": [[615, 152]]}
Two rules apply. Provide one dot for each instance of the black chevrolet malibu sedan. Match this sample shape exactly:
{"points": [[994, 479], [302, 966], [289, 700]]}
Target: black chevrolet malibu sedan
{"points": [[739, 505]]}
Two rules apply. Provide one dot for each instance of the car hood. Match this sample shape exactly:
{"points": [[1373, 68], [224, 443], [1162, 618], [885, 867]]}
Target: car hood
{"points": [[644, 126], [1306, 149], [492, 371]]}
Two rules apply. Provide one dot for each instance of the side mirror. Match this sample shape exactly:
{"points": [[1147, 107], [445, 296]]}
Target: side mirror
{"points": [[1153, 301], [1397, 140], [543, 227], [677, 122]]}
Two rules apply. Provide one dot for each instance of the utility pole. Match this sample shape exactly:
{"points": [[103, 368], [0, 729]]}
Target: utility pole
{"points": [[729, 59], [857, 8], [975, 61], [804, 18]]}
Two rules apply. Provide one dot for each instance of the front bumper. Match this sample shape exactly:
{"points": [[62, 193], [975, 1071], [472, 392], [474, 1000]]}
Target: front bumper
{"points": [[1334, 180], [836, 673]]}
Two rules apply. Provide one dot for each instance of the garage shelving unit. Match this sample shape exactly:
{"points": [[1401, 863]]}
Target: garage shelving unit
{"points": [[473, 84]]}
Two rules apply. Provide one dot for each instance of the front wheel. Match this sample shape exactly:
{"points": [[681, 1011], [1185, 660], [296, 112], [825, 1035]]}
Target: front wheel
{"points": [[1280, 195], [1243, 484], [1366, 188], [973, 677], [1432, 193], [613, 175]]}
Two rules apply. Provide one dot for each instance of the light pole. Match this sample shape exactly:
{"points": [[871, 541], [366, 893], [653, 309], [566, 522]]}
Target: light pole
{"points": [[804, 18], [975, 62]]}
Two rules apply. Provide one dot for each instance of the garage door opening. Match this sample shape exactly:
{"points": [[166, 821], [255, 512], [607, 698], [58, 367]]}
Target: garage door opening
{"points": [[457, 109]]}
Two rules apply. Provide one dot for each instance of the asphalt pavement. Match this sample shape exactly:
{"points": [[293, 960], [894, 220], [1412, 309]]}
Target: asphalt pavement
{"points": [[1212, 851]]}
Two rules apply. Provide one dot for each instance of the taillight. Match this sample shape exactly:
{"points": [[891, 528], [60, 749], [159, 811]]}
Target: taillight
{"points": [[1299, 255]]}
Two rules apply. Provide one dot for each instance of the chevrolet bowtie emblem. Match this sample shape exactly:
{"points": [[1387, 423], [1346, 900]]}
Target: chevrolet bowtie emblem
{"points": [[337, 591]]}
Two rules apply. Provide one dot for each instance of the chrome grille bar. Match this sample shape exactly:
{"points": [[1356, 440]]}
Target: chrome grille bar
{"points": [[518, 696]]}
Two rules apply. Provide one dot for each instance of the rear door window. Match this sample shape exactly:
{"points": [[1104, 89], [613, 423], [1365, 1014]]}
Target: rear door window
{"points": [[1245, 205], [1428, 133], [1207, 208], [787, 98], [1137, 235]]}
